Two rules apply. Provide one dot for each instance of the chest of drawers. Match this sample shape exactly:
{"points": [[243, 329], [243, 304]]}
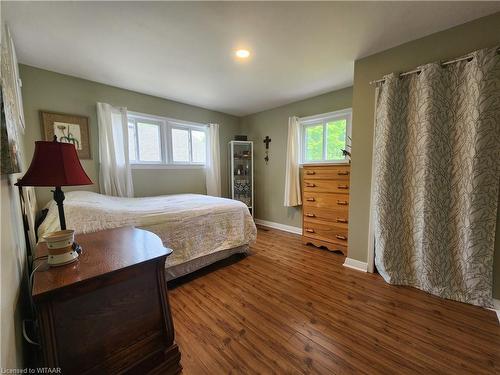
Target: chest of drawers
{"points": [[325, 206], [108, 312]]}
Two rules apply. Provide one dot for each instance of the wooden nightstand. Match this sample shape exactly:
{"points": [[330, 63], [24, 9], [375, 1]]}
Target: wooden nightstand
{"points": [[108, 312]]}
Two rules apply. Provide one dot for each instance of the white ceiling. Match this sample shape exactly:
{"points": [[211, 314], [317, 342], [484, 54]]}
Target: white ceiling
{"points": [[184, 51]]}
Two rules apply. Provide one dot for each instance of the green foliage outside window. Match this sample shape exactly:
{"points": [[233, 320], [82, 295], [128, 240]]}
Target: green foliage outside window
{"points": [[335, 141], [314, 142]]}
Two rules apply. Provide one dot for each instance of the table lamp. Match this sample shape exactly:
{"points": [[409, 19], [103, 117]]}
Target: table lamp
{"points": [[56, 164]]}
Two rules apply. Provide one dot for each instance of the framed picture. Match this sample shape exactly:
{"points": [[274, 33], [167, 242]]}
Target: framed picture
{"points": [[69, 129]]}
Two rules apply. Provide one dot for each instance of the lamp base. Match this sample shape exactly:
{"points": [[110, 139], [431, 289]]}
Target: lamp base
{"points": [[62, 259], [61, 247]]}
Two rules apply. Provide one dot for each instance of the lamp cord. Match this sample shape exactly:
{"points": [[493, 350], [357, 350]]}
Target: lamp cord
{"points": [[32, 303]]}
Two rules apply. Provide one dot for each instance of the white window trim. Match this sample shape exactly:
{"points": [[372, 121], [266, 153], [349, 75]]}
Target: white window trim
{"points": [[166, 166], [313, 120], [166, 125]]}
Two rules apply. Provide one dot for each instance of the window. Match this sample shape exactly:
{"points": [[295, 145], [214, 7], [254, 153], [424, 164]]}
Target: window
{"points": [[165, 142], [180, 145], [323, 137], [198, 146], [188, 144]]}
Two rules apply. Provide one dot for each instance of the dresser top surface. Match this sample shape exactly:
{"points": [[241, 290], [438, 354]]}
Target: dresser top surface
{"points": [[103, 252], [325, 165]]}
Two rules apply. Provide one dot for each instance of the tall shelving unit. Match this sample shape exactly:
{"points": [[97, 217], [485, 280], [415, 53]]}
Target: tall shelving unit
{"points": [[241, 172]]}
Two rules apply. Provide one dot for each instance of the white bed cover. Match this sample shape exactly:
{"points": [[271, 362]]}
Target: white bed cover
{"points": [[192, 225]]}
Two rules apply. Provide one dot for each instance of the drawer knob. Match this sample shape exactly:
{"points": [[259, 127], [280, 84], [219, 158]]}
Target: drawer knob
{"points": [[310, 172], [340, 237], [310, 215], [342, 203], [310, 185], [309, 230], [341, 220], [343, 173], [310, 199], [343, 187]]}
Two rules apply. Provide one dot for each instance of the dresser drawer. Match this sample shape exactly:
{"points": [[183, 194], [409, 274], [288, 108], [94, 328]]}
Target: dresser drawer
{"points": [[325, 208], [339, 216], [327, 186], [325, 231], [340, 172], [326, 200]]}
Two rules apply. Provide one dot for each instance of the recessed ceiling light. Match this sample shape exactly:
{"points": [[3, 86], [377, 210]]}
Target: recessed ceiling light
{"points": [[242, 53]]}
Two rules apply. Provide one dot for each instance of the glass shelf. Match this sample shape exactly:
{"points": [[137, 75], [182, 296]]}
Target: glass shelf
{"points": [[241, 172]]}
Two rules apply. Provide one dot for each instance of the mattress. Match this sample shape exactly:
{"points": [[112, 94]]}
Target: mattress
{"points": [[194, 226]]}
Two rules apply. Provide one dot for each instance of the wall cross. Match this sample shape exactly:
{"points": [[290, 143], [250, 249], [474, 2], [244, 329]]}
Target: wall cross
{"points": [[267, 140]]}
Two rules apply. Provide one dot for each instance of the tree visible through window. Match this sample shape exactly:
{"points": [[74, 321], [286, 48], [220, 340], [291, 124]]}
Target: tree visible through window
{"points": [[325, 136], [336, 137], [314, 142]]}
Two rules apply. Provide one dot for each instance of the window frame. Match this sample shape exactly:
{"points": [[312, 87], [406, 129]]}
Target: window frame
{"points": [[166, 125], [135, 119], [323, 119]]}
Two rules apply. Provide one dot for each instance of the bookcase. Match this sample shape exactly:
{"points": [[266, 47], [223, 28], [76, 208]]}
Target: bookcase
{"points": [[241, 184]]}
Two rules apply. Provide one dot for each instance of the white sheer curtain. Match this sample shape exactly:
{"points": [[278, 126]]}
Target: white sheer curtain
{"points": [[292, 179], [212, 169], [115, 177]]}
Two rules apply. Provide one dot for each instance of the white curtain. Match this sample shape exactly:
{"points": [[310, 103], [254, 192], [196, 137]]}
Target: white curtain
{"points": [[292, 178], [212, 169], [115, 177]]}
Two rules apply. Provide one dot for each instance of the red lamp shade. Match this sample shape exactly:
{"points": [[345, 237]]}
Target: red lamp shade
{"points": [[54, 164]]}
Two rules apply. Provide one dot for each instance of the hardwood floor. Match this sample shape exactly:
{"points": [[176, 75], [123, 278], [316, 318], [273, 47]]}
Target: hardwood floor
{"points": [[290, 308]]}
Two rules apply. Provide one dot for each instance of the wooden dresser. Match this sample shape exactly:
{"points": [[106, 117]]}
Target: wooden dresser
{"points": [[325, 205], [108, 312]]}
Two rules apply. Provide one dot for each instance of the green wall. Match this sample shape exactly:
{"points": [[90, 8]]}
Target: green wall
{"points": [[270, 178], [45, 90], [483, 32]]}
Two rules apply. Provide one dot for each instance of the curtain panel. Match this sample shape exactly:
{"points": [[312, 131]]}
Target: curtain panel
{"points": [[437, 163], [212, 168], [115, 175], [292, 176], [12, 121]]}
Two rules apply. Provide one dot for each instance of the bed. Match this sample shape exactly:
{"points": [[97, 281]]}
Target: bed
{"points": [[200, 229]]}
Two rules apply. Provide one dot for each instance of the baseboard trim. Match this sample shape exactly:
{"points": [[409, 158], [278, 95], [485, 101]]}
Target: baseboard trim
{"points": [[496, 308], [283, 227], [356, 264]]}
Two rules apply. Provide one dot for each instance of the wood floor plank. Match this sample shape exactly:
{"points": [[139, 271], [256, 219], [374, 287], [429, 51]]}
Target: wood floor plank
{"points": [[293, 309], [315, 323], [321, 300], [279, 336]]}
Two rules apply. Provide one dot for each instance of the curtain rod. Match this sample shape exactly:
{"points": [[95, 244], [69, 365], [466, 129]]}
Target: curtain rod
{"points": [[468, 57]]}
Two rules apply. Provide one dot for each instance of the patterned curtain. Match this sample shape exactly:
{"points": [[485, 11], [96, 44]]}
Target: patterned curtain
{"points": [[437, 171], [12, 121]]}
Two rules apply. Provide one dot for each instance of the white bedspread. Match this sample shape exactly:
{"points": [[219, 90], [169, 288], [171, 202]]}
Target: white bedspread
{"points": [[192, 225]]}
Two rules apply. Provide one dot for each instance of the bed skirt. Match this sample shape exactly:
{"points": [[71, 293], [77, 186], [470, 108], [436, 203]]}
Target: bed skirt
{"points": [[192, 265]]}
